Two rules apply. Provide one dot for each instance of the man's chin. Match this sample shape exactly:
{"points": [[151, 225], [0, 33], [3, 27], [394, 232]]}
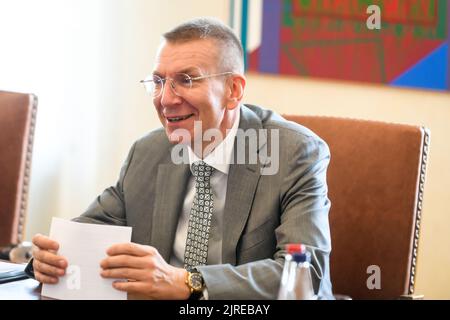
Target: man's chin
{"points": [[179, 137], [175, 141]]}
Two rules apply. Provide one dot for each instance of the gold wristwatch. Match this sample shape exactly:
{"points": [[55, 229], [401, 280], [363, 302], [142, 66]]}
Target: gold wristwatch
{"points": [[195, 283]]}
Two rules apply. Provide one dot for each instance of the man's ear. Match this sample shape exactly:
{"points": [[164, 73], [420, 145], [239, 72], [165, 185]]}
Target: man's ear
{"points": [[235, 90]]}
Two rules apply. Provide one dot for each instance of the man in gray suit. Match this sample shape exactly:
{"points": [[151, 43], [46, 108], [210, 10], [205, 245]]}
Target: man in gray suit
{"points": [[205, 223]]}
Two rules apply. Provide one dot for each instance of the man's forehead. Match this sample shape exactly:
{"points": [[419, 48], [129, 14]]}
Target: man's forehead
{"points": [[194, 55]]}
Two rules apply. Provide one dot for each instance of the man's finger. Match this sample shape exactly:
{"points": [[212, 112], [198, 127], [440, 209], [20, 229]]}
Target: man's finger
{"points": [[123, 273], [44, 242], [44, 278], [47, 269], [125, 261], [50, 258], [130, 286], [132, 249]]}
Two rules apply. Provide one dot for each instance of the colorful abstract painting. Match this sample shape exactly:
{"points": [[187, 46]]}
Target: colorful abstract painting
{"points": [[331, 39]]}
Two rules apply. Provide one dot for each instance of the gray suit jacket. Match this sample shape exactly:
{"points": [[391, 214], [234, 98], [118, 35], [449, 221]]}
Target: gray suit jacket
{"points": [[262, 212]]}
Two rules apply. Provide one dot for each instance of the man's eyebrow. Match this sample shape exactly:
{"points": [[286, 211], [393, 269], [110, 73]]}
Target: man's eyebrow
{"points": [[190, 70]]}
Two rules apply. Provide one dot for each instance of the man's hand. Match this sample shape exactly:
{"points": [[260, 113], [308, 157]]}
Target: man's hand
{"points": [[47, 264], [147, 273]]}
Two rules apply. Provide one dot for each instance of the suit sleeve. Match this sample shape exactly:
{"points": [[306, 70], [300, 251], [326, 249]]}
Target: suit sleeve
{"points": [[109, 207], [303, 219]]}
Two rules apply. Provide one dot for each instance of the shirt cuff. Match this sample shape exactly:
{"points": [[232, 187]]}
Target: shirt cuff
{"points": [[205, 295]]}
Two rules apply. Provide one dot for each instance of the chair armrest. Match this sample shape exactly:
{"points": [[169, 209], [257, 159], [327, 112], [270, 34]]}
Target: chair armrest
{"points": [[4, 252]]}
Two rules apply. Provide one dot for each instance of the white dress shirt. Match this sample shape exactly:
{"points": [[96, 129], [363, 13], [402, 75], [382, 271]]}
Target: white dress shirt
{"points": [[219, 159]]}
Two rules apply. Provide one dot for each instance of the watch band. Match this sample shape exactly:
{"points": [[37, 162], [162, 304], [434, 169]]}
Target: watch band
{"points": [[196, 295]]}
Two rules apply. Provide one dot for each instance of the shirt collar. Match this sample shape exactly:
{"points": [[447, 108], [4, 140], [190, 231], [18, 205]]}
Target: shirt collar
{"points": [[220, 157]]}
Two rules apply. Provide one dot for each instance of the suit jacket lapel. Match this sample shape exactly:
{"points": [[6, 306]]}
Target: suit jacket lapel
{"points": [[170, 191], [241, 187]]}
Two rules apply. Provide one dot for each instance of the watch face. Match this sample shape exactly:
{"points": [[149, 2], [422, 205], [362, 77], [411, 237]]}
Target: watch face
{"points": [[196, 281]]}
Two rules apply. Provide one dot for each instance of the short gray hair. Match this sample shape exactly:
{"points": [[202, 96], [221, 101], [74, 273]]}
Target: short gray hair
{"points": [[231, 53]]}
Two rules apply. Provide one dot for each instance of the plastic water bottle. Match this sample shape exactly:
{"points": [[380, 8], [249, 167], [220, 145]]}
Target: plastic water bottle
{"points": [[296, 282], [302, 282], [291, 249]]}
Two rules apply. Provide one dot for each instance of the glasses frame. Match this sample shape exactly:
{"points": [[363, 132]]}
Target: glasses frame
{"points": [[173, 83]]}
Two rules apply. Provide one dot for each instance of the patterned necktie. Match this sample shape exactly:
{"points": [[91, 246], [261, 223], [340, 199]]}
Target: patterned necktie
{"points": [[196, 252]]}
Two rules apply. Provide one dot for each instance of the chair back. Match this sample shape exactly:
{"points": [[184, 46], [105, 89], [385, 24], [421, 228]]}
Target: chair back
{"points": [[17, 121], [376, 181]]}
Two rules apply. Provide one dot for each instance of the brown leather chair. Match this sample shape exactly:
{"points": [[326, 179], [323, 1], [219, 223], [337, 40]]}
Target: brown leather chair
{"points": [[17, 121], [376, 180]]}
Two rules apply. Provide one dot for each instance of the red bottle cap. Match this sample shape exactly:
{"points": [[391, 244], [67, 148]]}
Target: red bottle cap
{"points": [[295, 248]]}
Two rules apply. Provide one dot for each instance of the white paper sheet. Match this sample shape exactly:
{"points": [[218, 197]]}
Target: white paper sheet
{"points": [[7, 266], [84, 246]]}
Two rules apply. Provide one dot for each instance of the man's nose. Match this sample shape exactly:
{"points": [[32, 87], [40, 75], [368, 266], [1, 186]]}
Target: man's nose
{"points": [[168, 95]]}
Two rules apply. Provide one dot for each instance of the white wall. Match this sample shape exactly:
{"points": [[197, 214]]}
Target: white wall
{"points": [[84, 58], [51, 48]]}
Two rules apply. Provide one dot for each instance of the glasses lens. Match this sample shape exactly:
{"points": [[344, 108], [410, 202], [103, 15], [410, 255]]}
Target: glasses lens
{"points": [[153, 84], [156, 84], [181, 83]]}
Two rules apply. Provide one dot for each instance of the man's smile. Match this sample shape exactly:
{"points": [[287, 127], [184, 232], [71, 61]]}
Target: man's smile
{"points": [[178, 118]]}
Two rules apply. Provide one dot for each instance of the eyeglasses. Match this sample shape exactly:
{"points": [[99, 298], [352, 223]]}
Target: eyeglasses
{"points": [[180, 83]]}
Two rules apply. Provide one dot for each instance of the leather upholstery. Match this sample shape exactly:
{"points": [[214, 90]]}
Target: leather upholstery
{"points": [[17, 119], [375, 179]]}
